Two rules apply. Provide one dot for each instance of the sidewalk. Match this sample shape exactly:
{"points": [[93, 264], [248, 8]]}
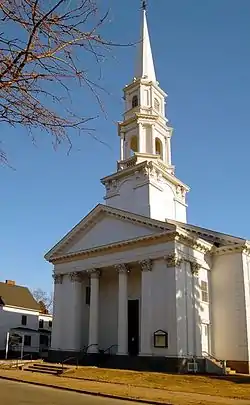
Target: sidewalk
{"points": [[152, 396]]}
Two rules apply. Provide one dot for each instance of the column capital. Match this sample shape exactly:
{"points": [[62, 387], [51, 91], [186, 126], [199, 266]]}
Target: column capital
{"points": [[122, 268], [76, 277], [173, 260], [58, 278], [94, 273], [146, 265], [195, 267]]}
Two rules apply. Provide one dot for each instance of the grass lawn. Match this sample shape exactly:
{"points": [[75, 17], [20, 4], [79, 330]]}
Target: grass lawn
{"points": [[168, 389], [227, 386]]}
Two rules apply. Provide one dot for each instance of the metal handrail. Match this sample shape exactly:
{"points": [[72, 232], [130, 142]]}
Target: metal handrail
{"points": [[109, 348], [70, 358], [87, 348], [21, 358], [210, 356]]}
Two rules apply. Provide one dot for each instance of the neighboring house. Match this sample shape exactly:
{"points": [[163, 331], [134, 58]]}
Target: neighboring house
{"points": [[20, 316], [133, 274]]}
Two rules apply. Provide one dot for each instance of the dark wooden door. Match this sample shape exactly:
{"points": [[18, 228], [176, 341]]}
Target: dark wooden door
{"points": [[133, 327]]}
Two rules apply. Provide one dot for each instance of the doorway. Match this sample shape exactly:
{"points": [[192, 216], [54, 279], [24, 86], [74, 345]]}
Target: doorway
{"points": [[205, 337], [133, 327]]}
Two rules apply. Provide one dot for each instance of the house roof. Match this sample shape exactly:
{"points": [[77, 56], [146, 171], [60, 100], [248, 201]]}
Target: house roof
{"points": [[17, 296]]}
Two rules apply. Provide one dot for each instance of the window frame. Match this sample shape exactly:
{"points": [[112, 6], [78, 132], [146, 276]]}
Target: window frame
{"points": [[41, 323], [157, 105], [29, 340], [204, 291], [135, 101], [24, 320]]}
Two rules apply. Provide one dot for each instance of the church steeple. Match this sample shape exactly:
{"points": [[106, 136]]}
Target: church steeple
{"points": [[145, 65], [145, 181]]}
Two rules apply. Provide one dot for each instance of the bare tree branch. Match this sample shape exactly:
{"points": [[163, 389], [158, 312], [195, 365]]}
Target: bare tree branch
{"points": [[44, 299], [44, 49]]}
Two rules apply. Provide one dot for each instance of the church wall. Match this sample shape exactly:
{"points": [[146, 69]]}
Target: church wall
{"points": [[108, 309], [192, 312], [180, 212], [163, 306], [228, 308], [161, 202], [246, 272], [131, 198]]}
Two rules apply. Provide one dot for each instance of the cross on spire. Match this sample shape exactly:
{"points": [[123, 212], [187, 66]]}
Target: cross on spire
{"points": [[144, 5]]}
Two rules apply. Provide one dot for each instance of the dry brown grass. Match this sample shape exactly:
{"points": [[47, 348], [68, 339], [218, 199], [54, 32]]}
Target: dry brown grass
{"points": [[170, 389], [228, 386]]}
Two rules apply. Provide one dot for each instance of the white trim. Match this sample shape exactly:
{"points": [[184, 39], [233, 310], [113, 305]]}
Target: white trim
{"points": [[8, 308]]}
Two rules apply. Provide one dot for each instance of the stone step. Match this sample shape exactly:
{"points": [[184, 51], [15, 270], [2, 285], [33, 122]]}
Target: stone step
{"points": [[47, 366], [35, 370], [38, 369]]}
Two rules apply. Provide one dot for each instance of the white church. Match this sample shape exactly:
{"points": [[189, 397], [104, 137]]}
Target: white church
{"points": [[133, 279]]}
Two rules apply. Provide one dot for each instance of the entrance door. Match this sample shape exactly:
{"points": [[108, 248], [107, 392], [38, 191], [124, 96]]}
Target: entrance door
{"points": [[205, 337], [133, 327]]}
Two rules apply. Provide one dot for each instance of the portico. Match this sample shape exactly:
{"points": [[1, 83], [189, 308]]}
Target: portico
{"points": [[123, 276]]}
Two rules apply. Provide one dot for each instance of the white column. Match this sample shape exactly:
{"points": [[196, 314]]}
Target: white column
{"points": [[94, 312], [122, 309], [73, 322], [146, 308], [195, 267], [122, 146], [57, 313]]}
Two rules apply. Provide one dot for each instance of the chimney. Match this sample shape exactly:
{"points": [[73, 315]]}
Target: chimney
{"points": [[10, 282]]}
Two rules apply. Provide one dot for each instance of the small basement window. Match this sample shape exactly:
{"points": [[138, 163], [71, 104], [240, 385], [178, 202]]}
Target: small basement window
{"points": [[204, 291]]}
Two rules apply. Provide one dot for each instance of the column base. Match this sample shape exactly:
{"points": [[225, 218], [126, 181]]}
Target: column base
{"points": [[93, 350], [145, 354]]}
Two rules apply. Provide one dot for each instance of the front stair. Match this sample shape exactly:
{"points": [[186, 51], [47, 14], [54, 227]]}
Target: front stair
{"points": [[45, 368], [214, 365]]}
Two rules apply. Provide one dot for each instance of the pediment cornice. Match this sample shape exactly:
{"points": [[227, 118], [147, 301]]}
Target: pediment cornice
{"points": [[156, 238], [94, 217]]}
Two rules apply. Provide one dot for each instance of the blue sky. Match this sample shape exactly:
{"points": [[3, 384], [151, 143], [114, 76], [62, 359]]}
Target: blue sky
{"points": [[202, 58]]}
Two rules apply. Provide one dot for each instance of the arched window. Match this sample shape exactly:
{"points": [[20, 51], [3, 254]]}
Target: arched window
{"points": [[134, 144], [158, 147], [156, 104], [135, 101]]}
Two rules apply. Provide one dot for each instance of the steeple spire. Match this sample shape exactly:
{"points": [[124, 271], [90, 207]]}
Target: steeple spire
{"points": [[145, 65]]}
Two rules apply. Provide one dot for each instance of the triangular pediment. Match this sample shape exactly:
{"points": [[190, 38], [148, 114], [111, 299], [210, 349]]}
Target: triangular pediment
{"points": [[105, 226]]}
